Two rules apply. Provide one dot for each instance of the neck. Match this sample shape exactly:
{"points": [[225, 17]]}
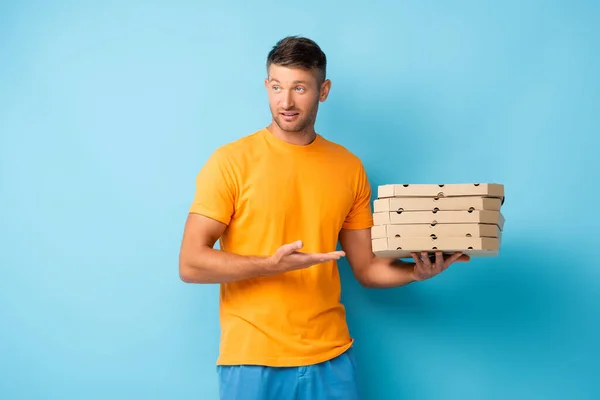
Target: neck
{"points": [[300, 138]]}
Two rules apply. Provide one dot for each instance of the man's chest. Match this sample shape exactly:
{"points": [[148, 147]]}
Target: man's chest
{"points": [[294, 188]]}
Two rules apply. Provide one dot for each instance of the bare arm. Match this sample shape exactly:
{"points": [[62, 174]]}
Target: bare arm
{"points": [[199, 262], [369, 270], [375, 272]]}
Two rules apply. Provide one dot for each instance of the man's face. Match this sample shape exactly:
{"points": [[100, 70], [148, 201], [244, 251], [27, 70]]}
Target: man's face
{"points": [[294, 96]]}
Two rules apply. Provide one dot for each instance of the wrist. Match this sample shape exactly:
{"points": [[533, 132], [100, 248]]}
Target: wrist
{"points": [[269, 265], [409, 268], [412, 276]]}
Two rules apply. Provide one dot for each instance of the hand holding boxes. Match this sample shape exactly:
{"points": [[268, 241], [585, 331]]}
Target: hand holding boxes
{"points": [[429, 217]]}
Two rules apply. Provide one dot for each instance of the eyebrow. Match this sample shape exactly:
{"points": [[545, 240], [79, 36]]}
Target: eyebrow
{"points": [[275, 80]]}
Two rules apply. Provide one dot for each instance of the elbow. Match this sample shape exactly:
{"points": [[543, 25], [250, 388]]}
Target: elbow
{"points": [[189, 273], [185, 274], [370, 277], [365, 269], [365, 281], [194, 263]]}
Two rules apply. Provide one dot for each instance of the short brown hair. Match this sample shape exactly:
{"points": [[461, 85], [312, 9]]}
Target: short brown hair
{"points": [[298, 52]]}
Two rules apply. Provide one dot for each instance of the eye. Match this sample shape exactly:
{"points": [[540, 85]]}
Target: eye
{"points": [[300, 89], [275, 87]]}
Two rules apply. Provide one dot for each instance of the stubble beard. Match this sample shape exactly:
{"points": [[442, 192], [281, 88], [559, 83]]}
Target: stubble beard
{"points": [[297, 127]]}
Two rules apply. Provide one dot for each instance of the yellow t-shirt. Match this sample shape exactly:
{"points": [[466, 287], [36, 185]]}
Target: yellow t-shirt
{"points": [[270, 193]]}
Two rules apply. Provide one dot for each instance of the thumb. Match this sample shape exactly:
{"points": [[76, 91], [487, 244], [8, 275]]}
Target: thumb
{"points": [[292, 247]]}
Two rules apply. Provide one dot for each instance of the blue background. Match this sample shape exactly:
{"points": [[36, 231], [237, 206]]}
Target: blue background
{"points": [[108, 111]]}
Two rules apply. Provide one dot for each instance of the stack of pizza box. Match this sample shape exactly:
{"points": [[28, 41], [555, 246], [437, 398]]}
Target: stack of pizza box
{"points": [[460, 217]]}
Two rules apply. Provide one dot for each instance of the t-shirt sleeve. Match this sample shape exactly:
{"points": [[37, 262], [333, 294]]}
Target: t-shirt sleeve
{"points": [[215, 189], [360, 215]]}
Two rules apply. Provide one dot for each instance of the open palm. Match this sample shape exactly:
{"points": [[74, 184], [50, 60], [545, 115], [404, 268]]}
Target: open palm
{"points": [[289, 258]]}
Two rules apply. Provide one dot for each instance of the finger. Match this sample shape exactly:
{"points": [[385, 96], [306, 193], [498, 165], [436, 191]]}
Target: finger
{"points": [[323, 257], [426, 260], [291, 247], [452, 259], [335, 254], [420, 271], [464, 258], [417, 259], [439, 260]]}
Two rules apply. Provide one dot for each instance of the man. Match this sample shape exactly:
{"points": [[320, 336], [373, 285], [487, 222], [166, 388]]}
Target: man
{"points": [[278, 201]]}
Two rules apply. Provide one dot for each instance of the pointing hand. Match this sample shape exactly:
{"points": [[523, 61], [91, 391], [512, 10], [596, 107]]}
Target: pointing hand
{"points": [[288, 257]]}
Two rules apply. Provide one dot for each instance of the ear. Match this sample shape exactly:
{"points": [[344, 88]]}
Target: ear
{"points": [[266, 82], [325, 88]]}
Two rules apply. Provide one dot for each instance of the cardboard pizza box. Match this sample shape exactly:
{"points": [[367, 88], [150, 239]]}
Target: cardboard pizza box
{"points": [[438, 230], [402, 247], [442, 190], [440, 217], [437, 203]]}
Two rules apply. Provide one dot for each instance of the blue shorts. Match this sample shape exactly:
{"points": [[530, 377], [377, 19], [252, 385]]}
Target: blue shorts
{"points": [[330, 380]]}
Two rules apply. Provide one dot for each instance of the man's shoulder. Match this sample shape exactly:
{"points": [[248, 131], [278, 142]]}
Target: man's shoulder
{"points": [[342, 152], [236, 151], [239, 145]]}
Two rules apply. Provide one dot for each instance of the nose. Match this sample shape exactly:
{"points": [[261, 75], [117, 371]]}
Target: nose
{"points": [[287, 100]]}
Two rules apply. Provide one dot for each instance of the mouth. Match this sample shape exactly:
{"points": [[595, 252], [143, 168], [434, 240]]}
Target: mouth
{"points": [[289, 116]]}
